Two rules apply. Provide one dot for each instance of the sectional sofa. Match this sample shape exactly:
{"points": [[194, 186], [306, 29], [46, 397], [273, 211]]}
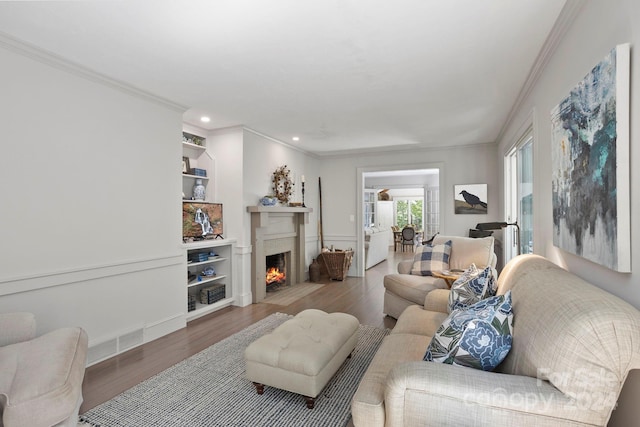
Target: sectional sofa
{"points": [[573, 347]]}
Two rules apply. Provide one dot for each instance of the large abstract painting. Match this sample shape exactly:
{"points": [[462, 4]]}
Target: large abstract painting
{"points": [[590, 161]]}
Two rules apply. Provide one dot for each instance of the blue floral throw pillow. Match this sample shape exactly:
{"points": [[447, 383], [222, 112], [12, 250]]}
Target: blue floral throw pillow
{"points": [[479, 336], [430, 258], [472, 286]]}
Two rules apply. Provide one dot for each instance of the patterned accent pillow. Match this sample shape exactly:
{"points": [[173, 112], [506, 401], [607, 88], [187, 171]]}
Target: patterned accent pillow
{"points": [[430, 258], [477, 337], [472, 286]]}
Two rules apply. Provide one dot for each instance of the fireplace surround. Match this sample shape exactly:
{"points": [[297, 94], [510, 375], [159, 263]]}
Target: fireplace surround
{"points": [[277, 230]]}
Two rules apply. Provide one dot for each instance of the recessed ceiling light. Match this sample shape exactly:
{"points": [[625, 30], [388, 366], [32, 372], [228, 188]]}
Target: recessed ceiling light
{"points": [[296, 138], [205, 119]]}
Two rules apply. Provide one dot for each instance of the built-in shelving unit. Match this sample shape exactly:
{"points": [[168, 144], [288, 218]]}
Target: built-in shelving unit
{"points": [[219, 256], [209, 263]]}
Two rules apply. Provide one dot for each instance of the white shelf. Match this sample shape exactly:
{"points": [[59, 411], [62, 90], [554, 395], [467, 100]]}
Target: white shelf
{"points": [[209, 261], [202, 309], [187, 175], [205, 279], [197, 148], [207, 243]]}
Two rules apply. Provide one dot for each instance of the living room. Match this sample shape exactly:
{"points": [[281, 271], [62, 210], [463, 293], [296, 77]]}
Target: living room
{"points": [[100, 200]]}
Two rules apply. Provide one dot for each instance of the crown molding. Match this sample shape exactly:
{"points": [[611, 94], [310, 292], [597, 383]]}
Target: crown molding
{"points": [[567, 15], [49, 58], [412, 148]]}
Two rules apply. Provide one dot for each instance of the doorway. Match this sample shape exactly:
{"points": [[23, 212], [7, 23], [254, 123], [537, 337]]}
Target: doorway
{"points": [[409, 195]]}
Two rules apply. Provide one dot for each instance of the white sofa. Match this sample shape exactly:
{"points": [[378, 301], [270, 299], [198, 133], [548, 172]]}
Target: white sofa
{"points": [[376, 246], [404, 289], [573, 347]]}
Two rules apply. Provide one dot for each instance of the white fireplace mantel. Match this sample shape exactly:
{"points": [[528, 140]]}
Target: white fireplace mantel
{"points": [[276, 227], [278, 209]]}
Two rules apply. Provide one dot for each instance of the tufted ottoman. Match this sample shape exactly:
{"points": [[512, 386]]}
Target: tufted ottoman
{"points": [[303, 353]]}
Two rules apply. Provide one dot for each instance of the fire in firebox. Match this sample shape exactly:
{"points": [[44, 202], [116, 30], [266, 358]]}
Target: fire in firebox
{"points": [[276, 271], [275, 276]]}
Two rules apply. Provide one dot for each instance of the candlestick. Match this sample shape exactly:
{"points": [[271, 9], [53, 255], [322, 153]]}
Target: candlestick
{"points": [[303, 192]]}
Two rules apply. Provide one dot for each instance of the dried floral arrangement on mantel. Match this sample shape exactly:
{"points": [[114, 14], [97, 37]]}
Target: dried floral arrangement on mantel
{"points": [[282, 184]]}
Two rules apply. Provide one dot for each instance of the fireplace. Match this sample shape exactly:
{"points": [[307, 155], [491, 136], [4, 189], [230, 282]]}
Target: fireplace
{"points": [[276, 271], [277, 230]]}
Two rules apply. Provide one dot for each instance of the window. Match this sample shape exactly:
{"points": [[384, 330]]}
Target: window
{"points": [[519, 197], [408, 211]]}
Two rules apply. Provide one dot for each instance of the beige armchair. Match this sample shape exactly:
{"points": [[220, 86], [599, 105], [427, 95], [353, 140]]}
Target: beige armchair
{"points": [[40, 377], [404, 289]]}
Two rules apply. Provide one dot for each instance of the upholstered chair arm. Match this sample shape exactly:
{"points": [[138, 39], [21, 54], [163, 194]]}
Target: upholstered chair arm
{"points": [[494, 261], [437, 300], [404, 267], [435, 394], [16, 327]]}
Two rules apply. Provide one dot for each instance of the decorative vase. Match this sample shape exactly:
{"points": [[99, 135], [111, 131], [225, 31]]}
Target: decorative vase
{"points": [[198, 190], [314, 271], [268, 201]]}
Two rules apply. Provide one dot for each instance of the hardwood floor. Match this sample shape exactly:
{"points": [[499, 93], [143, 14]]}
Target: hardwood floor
{"points": [[359, 296]]}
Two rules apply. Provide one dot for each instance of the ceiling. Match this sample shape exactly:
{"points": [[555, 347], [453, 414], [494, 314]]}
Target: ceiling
{"points": [[354, 75]]}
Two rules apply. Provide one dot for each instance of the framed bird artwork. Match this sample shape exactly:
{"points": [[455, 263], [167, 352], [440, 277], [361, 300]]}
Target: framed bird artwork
{"points": [[470, 199]]}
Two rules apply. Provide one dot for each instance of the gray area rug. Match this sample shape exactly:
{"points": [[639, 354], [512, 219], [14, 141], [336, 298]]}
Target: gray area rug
{"points": [[210, 389]]}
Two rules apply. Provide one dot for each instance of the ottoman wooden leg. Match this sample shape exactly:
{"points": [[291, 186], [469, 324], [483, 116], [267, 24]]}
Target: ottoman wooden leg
{"points": [[311, 402], [259, 387]]}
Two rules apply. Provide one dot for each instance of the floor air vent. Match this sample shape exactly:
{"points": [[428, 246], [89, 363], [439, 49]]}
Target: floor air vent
{"points": [[114, 346], [103, 350], [130, 340]]}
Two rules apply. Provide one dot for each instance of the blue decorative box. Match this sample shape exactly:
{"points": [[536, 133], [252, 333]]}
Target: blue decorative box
{"points": [[199, 172], [199, 257]]}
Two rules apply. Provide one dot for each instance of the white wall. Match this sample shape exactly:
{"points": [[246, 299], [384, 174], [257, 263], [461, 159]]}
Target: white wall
{"points": [[599, 27], [341, 196], [90, 184], [225, 145]]}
